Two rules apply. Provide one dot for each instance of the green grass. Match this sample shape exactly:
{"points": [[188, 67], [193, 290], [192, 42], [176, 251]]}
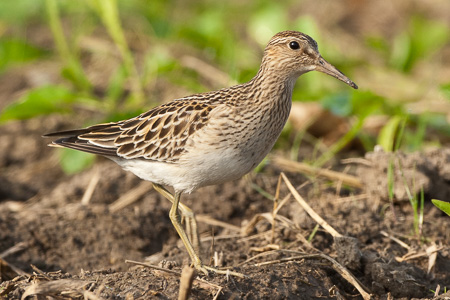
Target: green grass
{"points": [[72, 66], [390, 139], [108, 12]]}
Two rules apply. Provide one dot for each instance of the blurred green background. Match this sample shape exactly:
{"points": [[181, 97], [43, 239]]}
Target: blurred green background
{"points": [[105, 60]]}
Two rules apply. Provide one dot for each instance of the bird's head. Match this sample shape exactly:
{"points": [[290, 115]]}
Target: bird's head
{"points": [[292, 53]]}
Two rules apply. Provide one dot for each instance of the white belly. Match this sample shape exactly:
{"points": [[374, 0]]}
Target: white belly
{"points": [[200, 170], [202, 165], [220, 152]]}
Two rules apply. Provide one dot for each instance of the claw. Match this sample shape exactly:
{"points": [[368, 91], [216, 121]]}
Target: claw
{"points": [[205, 270], [201, 268], [224, 272]]}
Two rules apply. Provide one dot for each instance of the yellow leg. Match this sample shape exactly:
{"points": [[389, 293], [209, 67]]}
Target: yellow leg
{"points": [[175, 218], [188, 214]]}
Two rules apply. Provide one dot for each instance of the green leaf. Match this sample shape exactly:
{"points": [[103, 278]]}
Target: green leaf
{"points": [[442, 205], [422, 40], [365, 102], [401, 51], [14, 51], [339, 104], [386, 137], [73, 161], [40, 101], [427, 36]]}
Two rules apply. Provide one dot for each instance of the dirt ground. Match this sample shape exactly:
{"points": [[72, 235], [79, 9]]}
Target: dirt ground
{"points": [[68, 237], [52, 245]]}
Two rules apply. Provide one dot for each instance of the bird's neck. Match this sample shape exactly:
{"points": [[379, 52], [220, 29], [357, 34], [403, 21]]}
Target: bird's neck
{"points": [[271, 86]]}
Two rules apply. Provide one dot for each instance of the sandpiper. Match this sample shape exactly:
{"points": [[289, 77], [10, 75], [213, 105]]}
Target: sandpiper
{"points": [[209, 138]]}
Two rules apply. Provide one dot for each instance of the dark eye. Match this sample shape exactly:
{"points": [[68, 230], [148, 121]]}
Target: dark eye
{"points": [[294, 45]]}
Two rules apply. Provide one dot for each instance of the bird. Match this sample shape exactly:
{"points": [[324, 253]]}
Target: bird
{"points": [[207, 138]]}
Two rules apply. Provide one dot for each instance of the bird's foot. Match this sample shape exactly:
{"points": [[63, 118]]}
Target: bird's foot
{"points": [[205, 270]]}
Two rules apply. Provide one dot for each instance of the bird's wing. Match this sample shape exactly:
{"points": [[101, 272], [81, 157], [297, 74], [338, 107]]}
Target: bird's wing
{"points": [[159, 134]]}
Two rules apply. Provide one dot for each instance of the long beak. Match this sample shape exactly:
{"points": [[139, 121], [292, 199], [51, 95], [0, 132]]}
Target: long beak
{"points": [[327, 68]]}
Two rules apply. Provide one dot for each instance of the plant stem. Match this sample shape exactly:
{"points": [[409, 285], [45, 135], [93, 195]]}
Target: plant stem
{"points": [[109, 15], [343, 141], [72, 64]]}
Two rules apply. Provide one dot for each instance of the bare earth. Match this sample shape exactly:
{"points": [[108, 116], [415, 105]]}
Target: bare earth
{"points": [[65, 249], [54, 247]]}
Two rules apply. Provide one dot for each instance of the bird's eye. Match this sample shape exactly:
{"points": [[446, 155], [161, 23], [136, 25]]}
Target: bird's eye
{"points": [[294, 45]]}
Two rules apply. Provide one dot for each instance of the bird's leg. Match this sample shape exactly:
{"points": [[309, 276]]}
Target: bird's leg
{"points": [[188, 214], [175, 218]]}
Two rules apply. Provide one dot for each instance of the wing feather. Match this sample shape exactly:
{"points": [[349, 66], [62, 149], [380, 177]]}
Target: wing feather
{"points": [[159, 134]]}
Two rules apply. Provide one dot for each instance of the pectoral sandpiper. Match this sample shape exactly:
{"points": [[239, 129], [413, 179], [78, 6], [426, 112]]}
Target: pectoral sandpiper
{"points": [[209, 138]]}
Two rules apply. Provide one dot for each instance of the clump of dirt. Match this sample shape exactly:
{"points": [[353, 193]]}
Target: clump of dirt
{"points": [[411, 173]]}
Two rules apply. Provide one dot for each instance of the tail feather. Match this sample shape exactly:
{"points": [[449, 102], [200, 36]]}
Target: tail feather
{"points": [[83, 146], [71, 139], [77, 132]]}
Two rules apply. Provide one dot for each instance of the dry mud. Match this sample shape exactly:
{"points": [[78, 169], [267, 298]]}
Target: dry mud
{"points": [[51, 245]]}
